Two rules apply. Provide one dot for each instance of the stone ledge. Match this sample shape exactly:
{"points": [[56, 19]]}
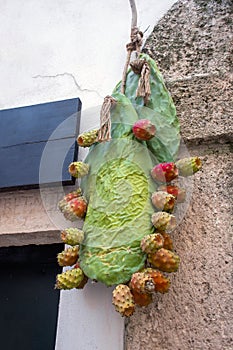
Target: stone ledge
{"points": [[26, 238]]}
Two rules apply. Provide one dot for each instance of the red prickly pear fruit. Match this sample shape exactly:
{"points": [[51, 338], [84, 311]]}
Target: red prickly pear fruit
{"points": [[79, 206], [144, 130], [168, 244], [163, 201], [189, 166], [76, 208], [142, 299], [164, 172], [178, 192], [68, 197]]}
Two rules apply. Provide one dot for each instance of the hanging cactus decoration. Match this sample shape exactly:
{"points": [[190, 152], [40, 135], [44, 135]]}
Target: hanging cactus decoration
{"points": [[127, 199]]}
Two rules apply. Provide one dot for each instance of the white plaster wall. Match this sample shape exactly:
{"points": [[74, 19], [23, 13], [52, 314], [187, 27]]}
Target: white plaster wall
{"points": [[58, 49]]}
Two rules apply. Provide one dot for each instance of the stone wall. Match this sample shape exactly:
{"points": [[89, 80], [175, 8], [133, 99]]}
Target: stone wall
{"points": [[191, 45]]}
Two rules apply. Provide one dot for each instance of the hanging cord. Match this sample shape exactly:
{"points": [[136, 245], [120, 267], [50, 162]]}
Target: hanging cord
{"points": [[104, 133]]}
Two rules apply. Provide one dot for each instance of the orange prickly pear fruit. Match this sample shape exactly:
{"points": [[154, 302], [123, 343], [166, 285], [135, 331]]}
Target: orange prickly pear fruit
{"points": [[164, 260], [68, 257], [142, 299]]}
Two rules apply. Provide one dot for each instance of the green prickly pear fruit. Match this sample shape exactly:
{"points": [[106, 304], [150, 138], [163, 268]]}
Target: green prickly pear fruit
{"points": [[188, 166], [161, 283], [163, 221], [168, 244], [164, 260], [163, 201], [72, 236], [87, 138], [151, 243], [123, 301], [69, 279], [78, 169], [178, 192], [68, 257]]}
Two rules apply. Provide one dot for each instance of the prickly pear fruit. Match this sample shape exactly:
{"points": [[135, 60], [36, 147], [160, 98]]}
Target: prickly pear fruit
{"points": [[163, 221], [69, 279], [164, 260], [68, 197], [123, 301], [76, 208], [161, 283], [177, 192], [78, 169], [141, 283], [188, 166], [163, 201], [144, 130], [151, 243], [142, 299], [68, 257], [168, 244], [164, 172], [87, 138], [72, 236]]}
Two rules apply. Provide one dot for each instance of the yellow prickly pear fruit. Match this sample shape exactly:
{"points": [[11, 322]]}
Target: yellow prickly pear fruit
{"points": [[163, 221], [87, 138], [72, 236], [163, 201], [78, 169], [68, 257], [69, 279], [188, 166], [151, 243], [123, 301]]}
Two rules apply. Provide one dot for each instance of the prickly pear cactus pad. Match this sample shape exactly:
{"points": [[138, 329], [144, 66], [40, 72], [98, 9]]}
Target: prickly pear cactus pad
{"points": [[127, 197]]}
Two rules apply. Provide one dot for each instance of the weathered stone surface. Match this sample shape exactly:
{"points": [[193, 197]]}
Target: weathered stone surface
{"points": [[197, 312], [192, 47]]}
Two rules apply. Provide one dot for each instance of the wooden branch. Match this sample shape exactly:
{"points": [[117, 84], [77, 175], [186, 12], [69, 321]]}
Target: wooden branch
{"points": [[133, 26]]}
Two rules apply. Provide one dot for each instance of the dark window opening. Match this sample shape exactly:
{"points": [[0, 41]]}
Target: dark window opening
{"points": [[28, 300]]}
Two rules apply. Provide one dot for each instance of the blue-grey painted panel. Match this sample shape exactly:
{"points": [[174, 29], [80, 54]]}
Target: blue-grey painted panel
{"points": [[28, 134]]}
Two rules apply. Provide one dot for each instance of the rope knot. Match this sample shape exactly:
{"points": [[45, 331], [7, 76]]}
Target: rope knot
{"points": [[104, 133], [143, 89]]}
